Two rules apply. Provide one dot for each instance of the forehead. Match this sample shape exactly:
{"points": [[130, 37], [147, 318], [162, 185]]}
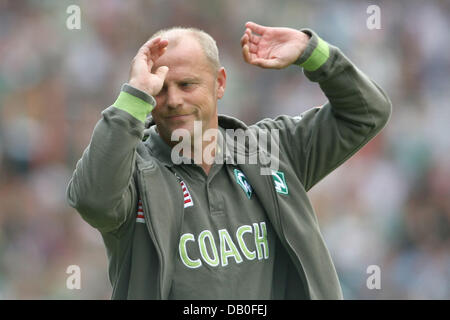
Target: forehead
{"points": [[184, 54]]}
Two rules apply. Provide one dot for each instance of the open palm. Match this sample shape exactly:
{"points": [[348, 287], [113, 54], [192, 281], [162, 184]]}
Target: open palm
{"points": [[141, 76], [273, 48]]}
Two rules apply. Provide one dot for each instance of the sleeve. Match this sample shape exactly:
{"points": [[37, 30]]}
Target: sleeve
{"points": [[102, 186], [320, 139]]}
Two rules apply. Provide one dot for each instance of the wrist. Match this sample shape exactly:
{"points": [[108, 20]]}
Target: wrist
{"points": [[139, 86], [139, 93], [315, 54], [303, 40], [135, 101]]}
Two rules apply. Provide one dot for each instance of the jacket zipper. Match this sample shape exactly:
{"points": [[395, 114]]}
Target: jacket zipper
{"points": [[152, 233], [286, 241]]}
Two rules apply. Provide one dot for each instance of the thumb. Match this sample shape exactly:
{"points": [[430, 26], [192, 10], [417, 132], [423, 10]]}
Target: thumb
{"points": [[161, 72], [267, 63]]}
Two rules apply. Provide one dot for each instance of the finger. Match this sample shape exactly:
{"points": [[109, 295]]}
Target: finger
{"points": [[163, 43], [154, 47], [162, 51], [246, 53], [151, 62], [152, 57], [253, 48], [158, 49], [150, 43], [144, 51], [255, 27], [244, 40], [252, 37], [161, 72]]}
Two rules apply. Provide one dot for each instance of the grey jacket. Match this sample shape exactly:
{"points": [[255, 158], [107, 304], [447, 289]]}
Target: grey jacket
{"points": [[120, 165]]}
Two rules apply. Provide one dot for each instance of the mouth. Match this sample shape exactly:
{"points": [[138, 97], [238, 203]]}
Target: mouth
{"points": [[178, 116]]}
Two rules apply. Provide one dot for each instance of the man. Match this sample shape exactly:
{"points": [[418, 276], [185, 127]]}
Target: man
{"points": [[201, 229]]}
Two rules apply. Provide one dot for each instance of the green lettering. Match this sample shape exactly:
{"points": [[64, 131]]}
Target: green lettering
{"points": [[250, 255], [225, 240], [214, 261], [183, 252], [261, 240]]}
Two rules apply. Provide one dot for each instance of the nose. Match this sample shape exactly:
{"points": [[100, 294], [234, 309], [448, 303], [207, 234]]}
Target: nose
{"points": [[174, 97]]}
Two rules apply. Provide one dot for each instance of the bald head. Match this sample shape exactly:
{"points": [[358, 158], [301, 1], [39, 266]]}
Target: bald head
{"points": [[206, 42]]}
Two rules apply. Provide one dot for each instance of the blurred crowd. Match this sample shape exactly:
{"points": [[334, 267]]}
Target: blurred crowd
{"points": [[388, 206]]}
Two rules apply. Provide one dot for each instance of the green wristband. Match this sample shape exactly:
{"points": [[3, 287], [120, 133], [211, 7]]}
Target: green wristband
{"points": [[318, 57], [135, 106]]}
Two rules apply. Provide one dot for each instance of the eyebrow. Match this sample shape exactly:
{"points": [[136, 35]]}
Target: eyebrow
{"points": [[195, 80], [190, 79]]}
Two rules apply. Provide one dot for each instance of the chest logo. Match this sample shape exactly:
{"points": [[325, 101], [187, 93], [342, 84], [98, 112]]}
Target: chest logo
{"points": [[279, 182], [242, 181]]}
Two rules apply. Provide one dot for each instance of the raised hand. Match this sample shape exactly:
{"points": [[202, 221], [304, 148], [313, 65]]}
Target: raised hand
{"points": [[141, 76], [273, 48]]}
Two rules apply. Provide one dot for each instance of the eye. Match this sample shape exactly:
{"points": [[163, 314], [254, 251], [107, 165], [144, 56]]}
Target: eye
{"points": [[185, 84]]}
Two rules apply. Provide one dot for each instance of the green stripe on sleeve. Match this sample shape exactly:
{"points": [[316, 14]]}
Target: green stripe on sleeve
{"points": [[318, 57], [135, 106]]}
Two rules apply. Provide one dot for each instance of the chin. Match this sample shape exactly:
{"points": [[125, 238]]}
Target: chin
{"points": [[182, 129]]}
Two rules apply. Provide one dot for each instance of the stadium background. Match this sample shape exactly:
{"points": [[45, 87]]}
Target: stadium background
{"points": [[387, 206]]}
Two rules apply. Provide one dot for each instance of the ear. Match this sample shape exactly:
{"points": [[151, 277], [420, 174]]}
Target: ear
{"points": [[221, 82]]}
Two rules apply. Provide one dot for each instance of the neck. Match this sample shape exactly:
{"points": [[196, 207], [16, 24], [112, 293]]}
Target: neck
{"points": [[203, 150], [200, 148]]}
